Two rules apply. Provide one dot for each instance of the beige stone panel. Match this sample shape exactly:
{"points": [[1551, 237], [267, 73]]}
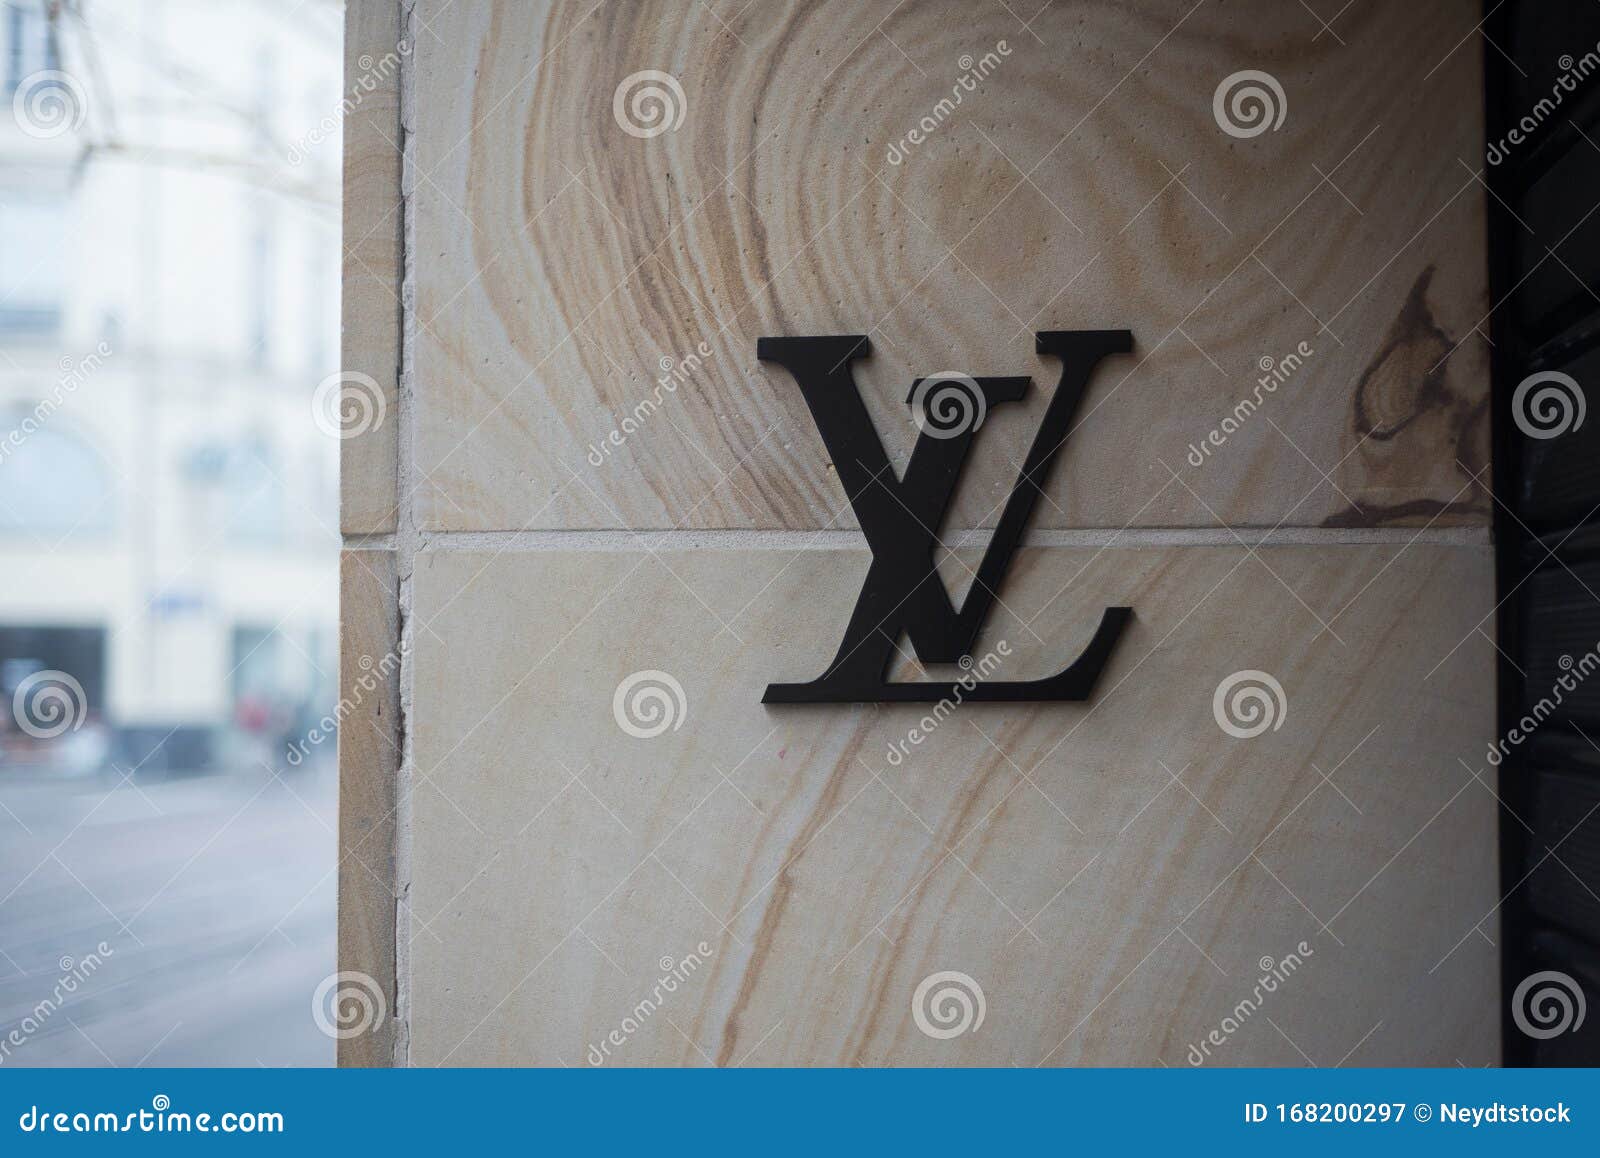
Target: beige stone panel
{"points": [[374, 53], [1085, 182], [1111, 874], [369, 690]]}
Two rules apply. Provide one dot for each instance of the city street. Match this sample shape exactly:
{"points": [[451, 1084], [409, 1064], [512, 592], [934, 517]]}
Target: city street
{"points": [[214, 895]]}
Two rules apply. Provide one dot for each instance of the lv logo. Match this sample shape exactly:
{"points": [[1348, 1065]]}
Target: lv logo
{"points": [[901, 517]]}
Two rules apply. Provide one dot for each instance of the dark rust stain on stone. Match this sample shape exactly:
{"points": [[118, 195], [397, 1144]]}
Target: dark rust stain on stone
{"points": [[1409, 406]]}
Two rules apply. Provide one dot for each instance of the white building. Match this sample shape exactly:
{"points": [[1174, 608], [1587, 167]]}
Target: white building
{"points": [[169, 269]]}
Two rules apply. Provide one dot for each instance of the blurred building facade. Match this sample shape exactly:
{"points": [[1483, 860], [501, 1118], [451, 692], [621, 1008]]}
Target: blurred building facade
{"points": [[169, 265]]}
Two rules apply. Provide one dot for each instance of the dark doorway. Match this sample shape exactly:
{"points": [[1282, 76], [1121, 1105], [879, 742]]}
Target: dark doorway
{"points": [[1542, 169]]}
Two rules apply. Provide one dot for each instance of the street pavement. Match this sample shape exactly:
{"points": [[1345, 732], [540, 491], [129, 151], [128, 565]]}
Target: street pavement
{"points": [[213, 895]]}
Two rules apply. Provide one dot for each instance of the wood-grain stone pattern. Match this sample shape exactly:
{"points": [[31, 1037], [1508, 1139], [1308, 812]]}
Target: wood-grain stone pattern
{"points": [[1111, 875], [564, 266]]}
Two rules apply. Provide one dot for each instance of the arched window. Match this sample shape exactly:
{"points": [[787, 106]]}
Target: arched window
{"points": [[51, 481]]}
